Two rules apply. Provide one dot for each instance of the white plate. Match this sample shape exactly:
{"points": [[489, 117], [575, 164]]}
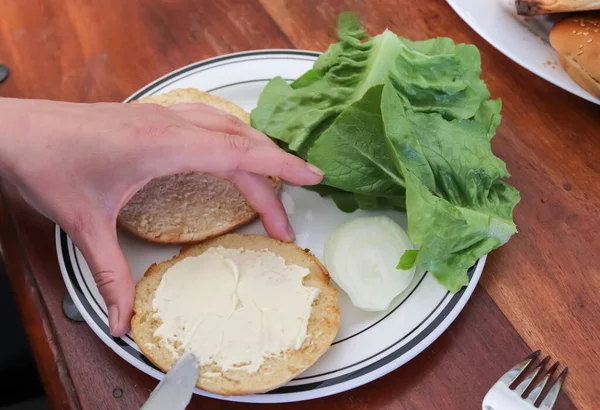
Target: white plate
{"points": [[522, 39], [369, 345]]}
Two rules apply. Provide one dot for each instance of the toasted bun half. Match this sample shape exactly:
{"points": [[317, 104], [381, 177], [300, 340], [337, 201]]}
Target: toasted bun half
{"points": [[188, 207], [577, 41], [276, 371]]}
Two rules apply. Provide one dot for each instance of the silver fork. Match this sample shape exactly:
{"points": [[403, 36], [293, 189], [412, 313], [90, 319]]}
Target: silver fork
{"points": [[502, 397]]}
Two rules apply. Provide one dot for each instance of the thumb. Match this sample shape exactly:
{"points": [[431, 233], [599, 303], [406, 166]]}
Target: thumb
{"points": [[111, 274]]}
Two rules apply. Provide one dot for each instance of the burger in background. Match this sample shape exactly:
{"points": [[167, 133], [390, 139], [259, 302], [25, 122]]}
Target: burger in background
{"points": [[577, 41]]}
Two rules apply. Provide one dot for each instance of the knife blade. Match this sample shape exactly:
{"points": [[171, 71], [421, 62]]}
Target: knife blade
{"points": [[174, 391]]}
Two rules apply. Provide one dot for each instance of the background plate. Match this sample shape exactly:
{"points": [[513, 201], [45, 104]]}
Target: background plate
{"points": [[522, 39], [369, 345]]}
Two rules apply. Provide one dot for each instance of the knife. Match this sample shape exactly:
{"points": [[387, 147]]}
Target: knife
{"points": [[174, 391]]}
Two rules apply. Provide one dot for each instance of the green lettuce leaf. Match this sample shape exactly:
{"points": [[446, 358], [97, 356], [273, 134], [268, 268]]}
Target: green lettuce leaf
{"points": [[452, 238], [402, 125], [350, 202], [431, 76], [355, 153], [457, 205]]}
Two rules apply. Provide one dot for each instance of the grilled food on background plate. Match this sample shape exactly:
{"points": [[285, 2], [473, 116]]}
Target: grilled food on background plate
{"points": [[534, 7]]}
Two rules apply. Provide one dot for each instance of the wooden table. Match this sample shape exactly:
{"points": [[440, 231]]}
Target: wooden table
{"points": [[542, 290]]}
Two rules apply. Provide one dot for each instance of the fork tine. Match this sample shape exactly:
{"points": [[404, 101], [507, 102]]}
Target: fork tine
{"points": [[529, 379], [537, 391], [550, 399], [514, 373]]}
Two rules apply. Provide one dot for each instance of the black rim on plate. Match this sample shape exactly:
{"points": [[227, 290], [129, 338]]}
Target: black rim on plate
{"points": [[74, 272]]}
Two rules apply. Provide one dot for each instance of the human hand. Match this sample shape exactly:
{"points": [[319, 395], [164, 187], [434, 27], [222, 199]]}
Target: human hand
{"points": [[78, 164]]}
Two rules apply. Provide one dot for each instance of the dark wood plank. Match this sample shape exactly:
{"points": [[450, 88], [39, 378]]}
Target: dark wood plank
{"points": [[49, 356], [454, 373], [104, 50], [547, 278]]}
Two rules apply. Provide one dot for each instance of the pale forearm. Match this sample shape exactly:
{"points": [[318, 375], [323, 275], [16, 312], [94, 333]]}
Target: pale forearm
{"points": [[28, 127], [14, 133]]}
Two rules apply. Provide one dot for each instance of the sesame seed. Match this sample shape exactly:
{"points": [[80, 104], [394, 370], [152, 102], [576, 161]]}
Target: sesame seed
{"points": [[586, 34], [580, 52], [578, 33], [590, 40]]}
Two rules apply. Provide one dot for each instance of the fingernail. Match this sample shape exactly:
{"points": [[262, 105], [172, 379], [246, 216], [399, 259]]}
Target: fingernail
{"points": [[290, 233], [113, 318], [314, 169]]}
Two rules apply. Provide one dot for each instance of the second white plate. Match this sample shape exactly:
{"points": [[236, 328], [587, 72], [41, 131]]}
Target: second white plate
{"points": [[522, 39]]}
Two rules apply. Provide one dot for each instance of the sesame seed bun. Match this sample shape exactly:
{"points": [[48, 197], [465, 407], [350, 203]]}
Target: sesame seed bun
{"points": [[577, 41]]}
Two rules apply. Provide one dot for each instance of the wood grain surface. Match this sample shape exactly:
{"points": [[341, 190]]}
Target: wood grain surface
{"points": [[539, 291]]}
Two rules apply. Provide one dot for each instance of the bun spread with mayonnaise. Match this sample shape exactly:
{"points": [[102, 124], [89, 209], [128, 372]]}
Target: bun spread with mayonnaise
{"points": [[255, 311]]}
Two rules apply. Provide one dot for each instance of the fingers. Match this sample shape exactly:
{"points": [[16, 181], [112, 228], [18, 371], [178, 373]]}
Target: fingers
{"points": [[218, 143], [212, 119], [217, 153], [197, 107], [261, 196], [111, 273]]}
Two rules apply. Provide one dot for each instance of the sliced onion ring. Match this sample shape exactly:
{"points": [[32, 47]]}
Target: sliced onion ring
{"points": [[361, 256]]}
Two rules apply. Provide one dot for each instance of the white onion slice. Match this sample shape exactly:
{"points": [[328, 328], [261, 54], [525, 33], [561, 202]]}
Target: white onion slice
{"points": [[361, 256]]}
